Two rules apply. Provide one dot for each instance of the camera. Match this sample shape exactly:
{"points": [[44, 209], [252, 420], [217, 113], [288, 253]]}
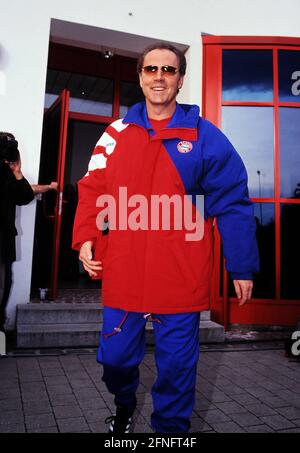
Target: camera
{"points": [[8, 148]]}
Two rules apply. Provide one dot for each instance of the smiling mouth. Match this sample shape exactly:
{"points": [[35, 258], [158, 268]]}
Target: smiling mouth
{"points": [[158, 88]]}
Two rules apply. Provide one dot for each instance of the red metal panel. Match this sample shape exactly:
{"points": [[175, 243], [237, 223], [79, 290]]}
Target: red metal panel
{"points": [[289, 104], [269, 302], [211, 110], [247, 104], [257, 40], [216, 309], [91, 118], [204, 91], [226, 304], [212, 82], [265, 314], [64, 99], [117, 93], [276, 173], [90, 62]]}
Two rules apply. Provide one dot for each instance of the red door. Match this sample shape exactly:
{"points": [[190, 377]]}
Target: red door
{"points": [[49, 208], [251, 91]]}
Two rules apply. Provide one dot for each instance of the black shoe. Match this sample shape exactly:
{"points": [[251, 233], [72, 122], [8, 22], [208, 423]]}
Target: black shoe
{"points": [[119, 422]]}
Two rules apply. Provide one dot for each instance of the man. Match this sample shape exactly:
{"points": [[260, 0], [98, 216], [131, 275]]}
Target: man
{"points": [[14, 190], [161, 148]]}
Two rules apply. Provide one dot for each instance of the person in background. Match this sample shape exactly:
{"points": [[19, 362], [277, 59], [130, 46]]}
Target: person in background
{"points": [[15, 190]]}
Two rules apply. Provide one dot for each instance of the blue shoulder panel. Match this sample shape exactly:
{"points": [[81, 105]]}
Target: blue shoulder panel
{"points": [[186, 156]]}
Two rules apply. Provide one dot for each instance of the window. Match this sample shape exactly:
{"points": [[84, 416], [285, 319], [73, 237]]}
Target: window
{"points": [[252, 92], [289, 122], [131, 93], [289, 76], [88, 94], [251, 131], [247, 75]]}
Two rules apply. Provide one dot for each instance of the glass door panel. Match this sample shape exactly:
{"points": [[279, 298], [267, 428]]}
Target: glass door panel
{"points": [[264, 282], [290, 152], [88, 94], [82, 138], [251, 131], [290, 251], [247, 75], [131, 93], [289, 75]]}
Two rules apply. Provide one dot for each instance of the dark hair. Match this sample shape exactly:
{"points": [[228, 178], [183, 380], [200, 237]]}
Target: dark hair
{"points": [[8, 147], [163, 46]]}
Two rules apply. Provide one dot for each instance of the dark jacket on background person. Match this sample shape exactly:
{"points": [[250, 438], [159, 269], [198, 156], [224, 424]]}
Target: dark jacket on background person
{"points": [[13, 193]]}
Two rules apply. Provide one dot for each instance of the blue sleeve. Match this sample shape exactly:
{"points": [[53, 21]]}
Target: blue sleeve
{"points": [[224, 183]]}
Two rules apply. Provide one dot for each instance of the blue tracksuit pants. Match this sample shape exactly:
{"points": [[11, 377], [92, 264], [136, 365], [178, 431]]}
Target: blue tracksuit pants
{"points": [[122, 348]]}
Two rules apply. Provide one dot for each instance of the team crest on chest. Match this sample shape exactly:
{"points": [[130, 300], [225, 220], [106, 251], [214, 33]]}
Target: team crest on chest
{"points": [[184, 147]]}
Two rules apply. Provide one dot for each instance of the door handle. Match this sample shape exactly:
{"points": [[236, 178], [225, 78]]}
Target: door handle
{"points": [[60, 203]]}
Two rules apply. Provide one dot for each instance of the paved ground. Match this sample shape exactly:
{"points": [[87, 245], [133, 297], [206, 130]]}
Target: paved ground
{"points": [[241, 388]]}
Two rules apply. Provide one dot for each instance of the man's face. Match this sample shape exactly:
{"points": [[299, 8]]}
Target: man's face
{"points": [[160, 88]]}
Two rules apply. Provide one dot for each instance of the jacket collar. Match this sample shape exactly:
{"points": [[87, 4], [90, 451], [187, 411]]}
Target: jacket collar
{"points": [[183, 124]]}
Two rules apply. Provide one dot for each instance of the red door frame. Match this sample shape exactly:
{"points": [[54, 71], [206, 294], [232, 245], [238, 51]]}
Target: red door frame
{"points": [[119, 70], [259, 311], [64, 101]]}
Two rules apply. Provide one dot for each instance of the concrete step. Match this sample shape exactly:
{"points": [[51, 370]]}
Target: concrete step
{"points": [[67, 325], [87, 335], [64, 313], [59, 313]]}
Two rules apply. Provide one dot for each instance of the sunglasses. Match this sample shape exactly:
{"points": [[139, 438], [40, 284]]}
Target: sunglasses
{"points": [[152, 69]]}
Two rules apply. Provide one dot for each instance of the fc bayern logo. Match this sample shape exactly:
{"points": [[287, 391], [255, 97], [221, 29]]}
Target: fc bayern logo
{"points": [[184, 147]]}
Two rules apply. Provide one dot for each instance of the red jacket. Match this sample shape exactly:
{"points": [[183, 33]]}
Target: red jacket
{"points": [[155, 271]]}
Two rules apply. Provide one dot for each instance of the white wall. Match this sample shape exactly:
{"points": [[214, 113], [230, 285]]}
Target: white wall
{"points": [[24, 38]]}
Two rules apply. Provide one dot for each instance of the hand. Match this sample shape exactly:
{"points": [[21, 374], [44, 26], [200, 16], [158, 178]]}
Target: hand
{"points": [[243, 289], [16, 168], [53, 186], [86, 257]]}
